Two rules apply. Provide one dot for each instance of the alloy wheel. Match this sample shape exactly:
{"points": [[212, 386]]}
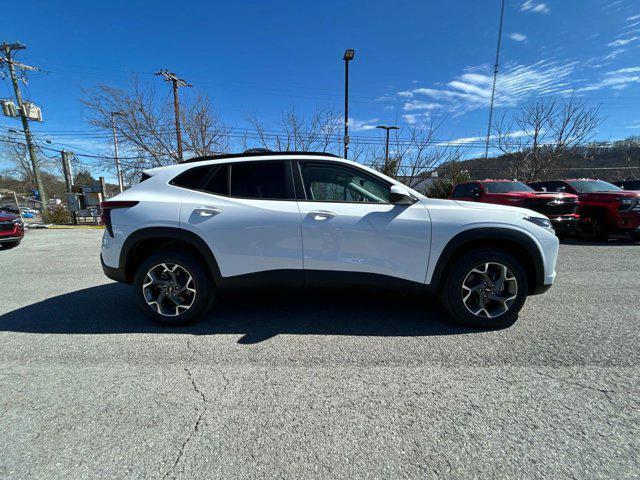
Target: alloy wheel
{"points": [[489, 289], [169, 289]]}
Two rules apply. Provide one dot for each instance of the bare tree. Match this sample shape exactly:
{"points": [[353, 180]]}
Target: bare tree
{"points": [[318, 132], [544, 132], [414, 153], [145, 128], [20, 165]]}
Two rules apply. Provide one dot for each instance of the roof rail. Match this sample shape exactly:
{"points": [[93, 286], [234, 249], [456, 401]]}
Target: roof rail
{"points": [[253, 153]]}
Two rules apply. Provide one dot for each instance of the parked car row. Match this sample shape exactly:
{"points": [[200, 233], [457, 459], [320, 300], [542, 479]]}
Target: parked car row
{"points": [[589, 208]]}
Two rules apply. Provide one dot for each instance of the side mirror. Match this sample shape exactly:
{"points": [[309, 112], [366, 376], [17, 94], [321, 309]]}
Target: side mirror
{"points": [[401, 196]]}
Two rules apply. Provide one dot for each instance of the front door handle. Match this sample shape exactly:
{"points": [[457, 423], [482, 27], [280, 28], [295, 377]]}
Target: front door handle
{"points": [[207, 211], [322, 215]]}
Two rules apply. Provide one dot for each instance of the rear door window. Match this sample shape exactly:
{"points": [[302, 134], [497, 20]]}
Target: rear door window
{"points": [[218, 181], [260, 180]]}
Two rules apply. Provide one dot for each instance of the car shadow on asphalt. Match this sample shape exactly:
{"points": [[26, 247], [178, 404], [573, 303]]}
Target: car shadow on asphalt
{"points": [[111, 309]]}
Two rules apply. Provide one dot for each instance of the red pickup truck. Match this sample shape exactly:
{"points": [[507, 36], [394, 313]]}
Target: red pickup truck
{"points": [[11, 230], [561, 208], [604, 208]]}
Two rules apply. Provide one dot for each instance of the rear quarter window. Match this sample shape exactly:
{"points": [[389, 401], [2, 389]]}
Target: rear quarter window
{"points": [[192, 178]]}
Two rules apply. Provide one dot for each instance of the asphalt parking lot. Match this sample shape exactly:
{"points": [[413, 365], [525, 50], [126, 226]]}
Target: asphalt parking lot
{"points": [[314, 386]]}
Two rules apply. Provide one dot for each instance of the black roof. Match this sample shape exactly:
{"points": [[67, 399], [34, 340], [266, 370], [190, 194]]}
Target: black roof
{"points": [[256, 154]]}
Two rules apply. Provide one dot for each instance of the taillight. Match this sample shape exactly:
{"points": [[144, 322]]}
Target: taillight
{"points": [[109, 205]]}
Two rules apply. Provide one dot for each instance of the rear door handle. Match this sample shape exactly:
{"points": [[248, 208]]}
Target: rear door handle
{"points": [[322, 215], [207, 211]]}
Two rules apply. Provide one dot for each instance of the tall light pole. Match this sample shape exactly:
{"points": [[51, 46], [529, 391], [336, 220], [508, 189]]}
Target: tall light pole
{"points": [[495, 77], [387, 167], [115, 149], [348, 56]]}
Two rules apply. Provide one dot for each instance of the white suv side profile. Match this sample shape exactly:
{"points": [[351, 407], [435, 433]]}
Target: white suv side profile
{"points": [[188, 231]]}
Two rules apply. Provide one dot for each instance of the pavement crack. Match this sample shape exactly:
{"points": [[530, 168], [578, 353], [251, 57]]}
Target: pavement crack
{"points": [[198, 420], [605, 392]]}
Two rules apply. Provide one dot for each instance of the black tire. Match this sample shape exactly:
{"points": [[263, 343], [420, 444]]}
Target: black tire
{"points": [[204, 297], [8, 245], [451, 291]]}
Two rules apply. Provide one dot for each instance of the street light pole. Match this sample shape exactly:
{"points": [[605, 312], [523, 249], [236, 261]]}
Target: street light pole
{"points": [[349, 54], [115, 150], [387, 167]]}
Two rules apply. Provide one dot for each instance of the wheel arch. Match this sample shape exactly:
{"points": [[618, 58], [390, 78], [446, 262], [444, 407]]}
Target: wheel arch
{"points": [[142, 243], [516, 243]]}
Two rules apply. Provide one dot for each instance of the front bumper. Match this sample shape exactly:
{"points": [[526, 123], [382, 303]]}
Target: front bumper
{"points": [[11, 239], [628, 221], [565, 223]]}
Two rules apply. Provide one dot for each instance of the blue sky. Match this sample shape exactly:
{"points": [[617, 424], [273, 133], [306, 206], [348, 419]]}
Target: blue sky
{"points": [[413, 58]]}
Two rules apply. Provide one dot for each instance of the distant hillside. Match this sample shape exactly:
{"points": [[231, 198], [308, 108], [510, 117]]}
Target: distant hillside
{"points": [[596, 162]]}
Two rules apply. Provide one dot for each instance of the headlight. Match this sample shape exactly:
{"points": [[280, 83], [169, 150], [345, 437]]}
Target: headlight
{"points": [[18, 222], [541, 222], [626, 204]]}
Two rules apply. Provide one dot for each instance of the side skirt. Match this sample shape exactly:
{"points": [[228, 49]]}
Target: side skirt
{"points": [[291, 279]]}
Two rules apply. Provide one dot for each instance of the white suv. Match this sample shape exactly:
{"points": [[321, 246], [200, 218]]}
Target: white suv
{"points": [[188, 231]]}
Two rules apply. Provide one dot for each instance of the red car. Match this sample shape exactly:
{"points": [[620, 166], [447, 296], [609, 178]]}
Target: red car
{"points": [[11, 230], [561, 208], [604, 208]]}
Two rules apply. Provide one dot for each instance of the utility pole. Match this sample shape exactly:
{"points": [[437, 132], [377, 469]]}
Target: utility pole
{"points": [[68, 178], [495, 77], [387, 167], [349, 54], [175, 83], [8, 48], [66, 169], [115, 149]]}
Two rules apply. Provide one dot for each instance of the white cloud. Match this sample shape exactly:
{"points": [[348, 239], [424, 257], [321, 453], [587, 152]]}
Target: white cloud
{"points": [[410, 118], [613, 55], [518, 37], [516, 83], [633, 18], [362, 125], [616, 79], [537, 7], [621, 42], [418, 105]]}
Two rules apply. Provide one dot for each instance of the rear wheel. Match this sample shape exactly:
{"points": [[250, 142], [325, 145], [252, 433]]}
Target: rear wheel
{"points": [[172, 288], [485, 289]]}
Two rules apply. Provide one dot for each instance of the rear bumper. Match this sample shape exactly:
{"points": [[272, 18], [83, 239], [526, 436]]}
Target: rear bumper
{"points": [[114, 273]]}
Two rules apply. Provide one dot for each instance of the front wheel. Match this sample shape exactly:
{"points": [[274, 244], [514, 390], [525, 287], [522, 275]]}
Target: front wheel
{"points": [[8, 245], [172, 288], [485, 289]]}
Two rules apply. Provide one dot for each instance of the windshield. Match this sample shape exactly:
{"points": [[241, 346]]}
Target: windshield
{"points": [[506, 187], [587, 186]]}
